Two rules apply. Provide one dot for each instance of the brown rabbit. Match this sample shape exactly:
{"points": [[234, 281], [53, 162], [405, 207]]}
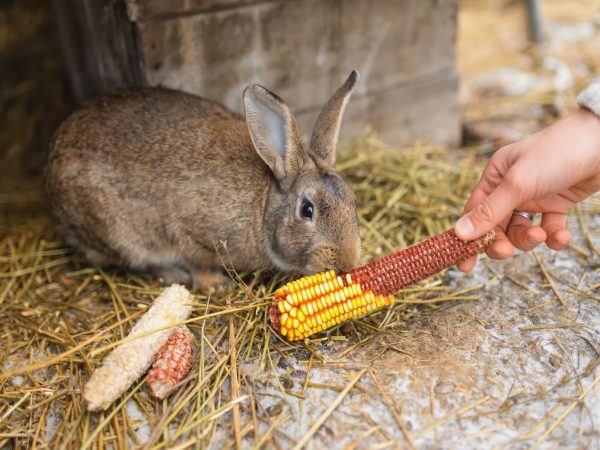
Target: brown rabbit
{"points": [[153, 179]]}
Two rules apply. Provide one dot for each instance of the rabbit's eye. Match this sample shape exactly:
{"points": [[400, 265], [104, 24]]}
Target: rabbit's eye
{"points": [[307, 209]]}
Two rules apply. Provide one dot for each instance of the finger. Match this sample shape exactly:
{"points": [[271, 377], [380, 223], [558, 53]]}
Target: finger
{"points": [[489, 180], [501, 248], [488, 213], [467, 265], [555, 226], [523, 234]]}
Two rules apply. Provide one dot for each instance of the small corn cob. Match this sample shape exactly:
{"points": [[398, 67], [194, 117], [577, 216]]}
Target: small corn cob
{"points": [[173, 362], [317, 302]]}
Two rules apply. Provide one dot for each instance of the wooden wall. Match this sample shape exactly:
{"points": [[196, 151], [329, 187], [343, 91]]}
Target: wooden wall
{"points": [[300, 49]]}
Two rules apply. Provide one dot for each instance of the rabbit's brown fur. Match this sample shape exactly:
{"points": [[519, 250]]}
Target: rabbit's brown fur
{"points": [[154, 179]]}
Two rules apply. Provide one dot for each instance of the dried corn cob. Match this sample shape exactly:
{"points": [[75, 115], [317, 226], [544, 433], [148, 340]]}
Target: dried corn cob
{"points": [[172, 363], [131, 359], [317, 302]]}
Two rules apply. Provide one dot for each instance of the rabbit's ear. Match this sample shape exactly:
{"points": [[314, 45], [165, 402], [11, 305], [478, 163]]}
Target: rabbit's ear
{"points": [[327, 128], [274, 132]]}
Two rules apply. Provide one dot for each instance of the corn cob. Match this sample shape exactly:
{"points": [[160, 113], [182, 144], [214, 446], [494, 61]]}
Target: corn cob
{"points": [[171, 364], [317, 302], [132, 358]]}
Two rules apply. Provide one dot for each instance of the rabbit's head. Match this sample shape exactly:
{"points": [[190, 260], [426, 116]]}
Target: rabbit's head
{"points": [[310, 219]]}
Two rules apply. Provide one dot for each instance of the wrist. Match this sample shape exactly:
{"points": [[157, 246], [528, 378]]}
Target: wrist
{"points": [[590, 122], [589, 130]]}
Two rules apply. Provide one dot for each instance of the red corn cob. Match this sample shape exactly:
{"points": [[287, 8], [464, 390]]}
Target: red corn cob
{"points": [[317, 302], [172, 363]]}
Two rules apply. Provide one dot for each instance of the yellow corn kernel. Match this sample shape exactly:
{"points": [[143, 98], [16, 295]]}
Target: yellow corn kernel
{"points": [[334, 297], [301, 316], [304, 308], [309, 308], [287, 306], [280, 307], [292, 299], [294, 312]]}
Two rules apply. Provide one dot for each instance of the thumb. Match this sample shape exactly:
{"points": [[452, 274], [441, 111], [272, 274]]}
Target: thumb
{"points": [[488, 213]]}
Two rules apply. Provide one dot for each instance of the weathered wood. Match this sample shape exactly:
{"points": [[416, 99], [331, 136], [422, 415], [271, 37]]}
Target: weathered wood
{"points": [[100, 45], [142, 10]]}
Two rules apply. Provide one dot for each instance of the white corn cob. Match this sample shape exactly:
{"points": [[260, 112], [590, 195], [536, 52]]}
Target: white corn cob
{"points": [[131, 359]]}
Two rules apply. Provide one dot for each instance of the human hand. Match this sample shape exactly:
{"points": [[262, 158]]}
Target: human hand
{"points": [[548, 173]]}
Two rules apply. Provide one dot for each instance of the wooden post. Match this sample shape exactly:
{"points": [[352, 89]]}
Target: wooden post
{"points": [[100, 45]]}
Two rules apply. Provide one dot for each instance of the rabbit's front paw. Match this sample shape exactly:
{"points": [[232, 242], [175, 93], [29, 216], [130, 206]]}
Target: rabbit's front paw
{"points": [[175, 275], [210, 281]]}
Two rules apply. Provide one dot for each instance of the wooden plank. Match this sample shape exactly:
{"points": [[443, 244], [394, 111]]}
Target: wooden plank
{"points": [[217, 54], [100, 45], [143, 10]]}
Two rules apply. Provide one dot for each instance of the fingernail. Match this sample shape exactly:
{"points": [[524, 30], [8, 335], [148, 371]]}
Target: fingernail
{"points": [[464, 227]]}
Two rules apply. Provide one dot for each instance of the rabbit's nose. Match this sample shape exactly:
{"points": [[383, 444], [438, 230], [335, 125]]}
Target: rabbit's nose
{"points": [[350, 255]]}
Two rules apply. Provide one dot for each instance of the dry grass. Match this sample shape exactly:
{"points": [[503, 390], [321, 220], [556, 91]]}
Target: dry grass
{"points": [[59, 317]]}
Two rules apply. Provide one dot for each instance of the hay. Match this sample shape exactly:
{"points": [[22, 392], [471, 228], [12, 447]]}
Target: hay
{"points": [[59, 317]]}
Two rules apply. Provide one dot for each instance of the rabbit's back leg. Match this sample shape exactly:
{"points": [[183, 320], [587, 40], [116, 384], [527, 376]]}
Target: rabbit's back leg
{"points": [[79, 238]]}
